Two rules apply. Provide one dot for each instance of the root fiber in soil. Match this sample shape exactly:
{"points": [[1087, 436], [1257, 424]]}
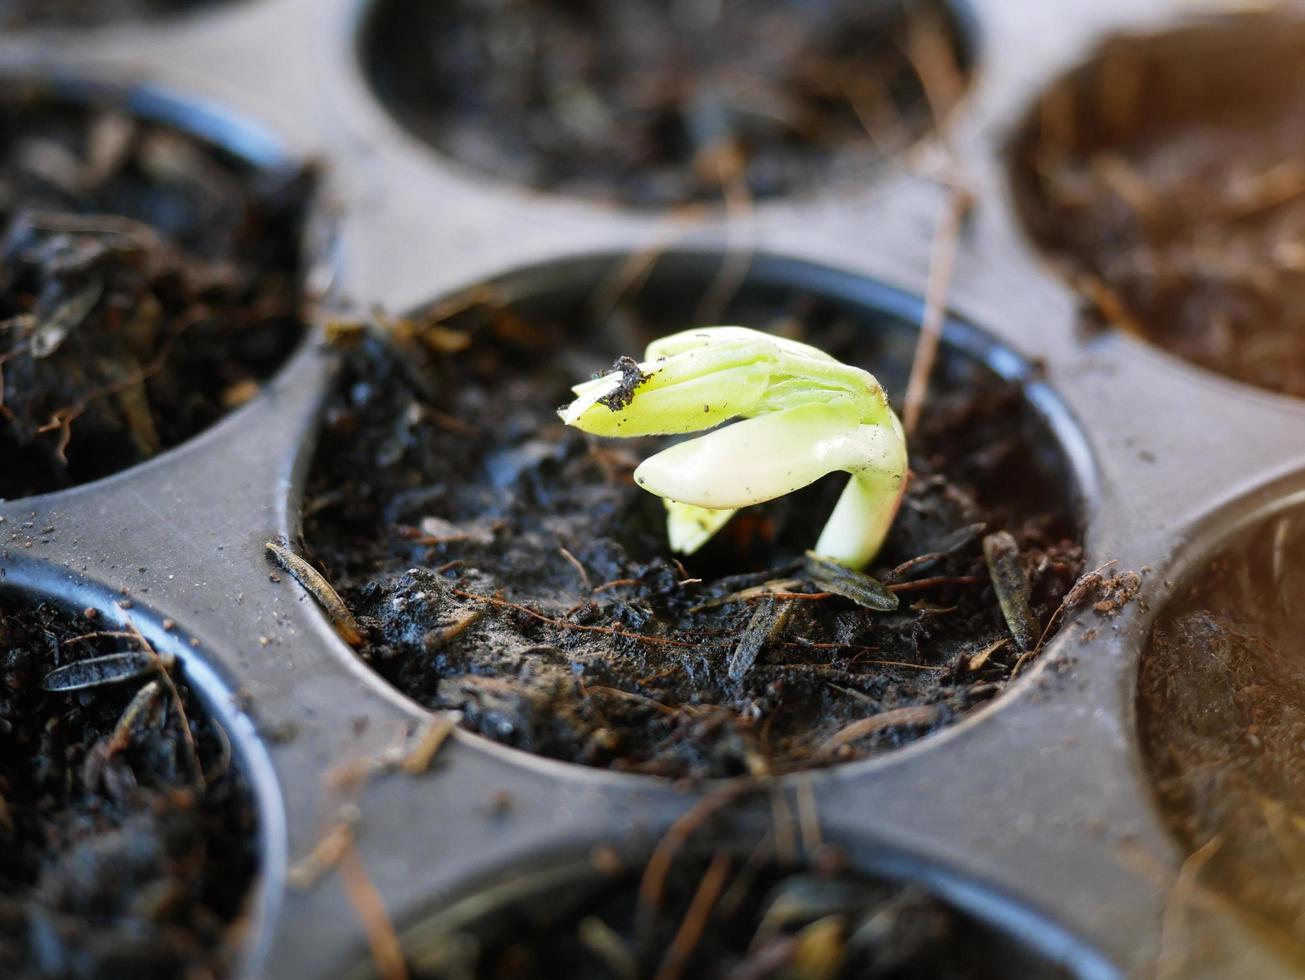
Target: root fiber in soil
{"points": [[660, 103], [504, 565], [149, 283], [123, 851]]}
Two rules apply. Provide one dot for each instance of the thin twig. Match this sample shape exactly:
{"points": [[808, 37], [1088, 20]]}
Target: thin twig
{"points": [[580, 569], [946, 239], [897, 663], [695, 919], [857, 661], [930, 51], [98, 634], [653, 883], [616, 583], [915, 562], [430, 740], [187, 736], [387, 953], [326, 853], [915, 585], [412, 754]]}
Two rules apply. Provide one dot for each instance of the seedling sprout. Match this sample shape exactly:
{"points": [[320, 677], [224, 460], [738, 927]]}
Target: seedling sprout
{"points": [[803, 415]]}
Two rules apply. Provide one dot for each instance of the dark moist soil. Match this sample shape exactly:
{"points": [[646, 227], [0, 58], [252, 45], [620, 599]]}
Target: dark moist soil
{"points": [[1167, 175], [115, 860], [769, 920], [1221, 704], [90, 13], [665, 102], [445, 483], [148, 284]]}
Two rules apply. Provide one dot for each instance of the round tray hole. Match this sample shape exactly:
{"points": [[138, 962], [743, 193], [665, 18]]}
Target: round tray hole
{"points": [[658, 103], [151, 279], [1165, 175], [732, 912], [444, 487], [1221, 711], [130, 836]]}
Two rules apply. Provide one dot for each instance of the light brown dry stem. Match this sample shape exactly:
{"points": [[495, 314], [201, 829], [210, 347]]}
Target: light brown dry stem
{"points": [[321, 590], [382, 940], [695, 919]]}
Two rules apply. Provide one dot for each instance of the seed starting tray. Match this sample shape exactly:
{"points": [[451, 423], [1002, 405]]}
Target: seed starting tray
{"points": [[1035, 813]]}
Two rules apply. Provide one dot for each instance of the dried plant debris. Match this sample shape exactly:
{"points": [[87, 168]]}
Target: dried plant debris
{"points": [[1221, 706], [662, 102], [747, 658], [726, 915], [1168, 175], [127, 837], [89, 13], [148, 284], [320, 589], [1011, 583]]}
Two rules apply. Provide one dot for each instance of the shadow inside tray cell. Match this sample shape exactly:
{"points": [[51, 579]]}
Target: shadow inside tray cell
{"points": [[734, 911], [507, 566], [658, 103], [151, 280], [1221, 709], [1165, 175], [129, 836]]}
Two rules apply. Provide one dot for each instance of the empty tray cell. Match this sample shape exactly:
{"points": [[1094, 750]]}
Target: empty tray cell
{"points": [[1221, 707], [149, 281], [505, 565], [665, 102], [1167, 175], [17, 14], [128, 837]]}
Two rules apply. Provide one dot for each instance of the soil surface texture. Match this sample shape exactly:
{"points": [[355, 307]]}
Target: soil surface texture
{"points": [[90, 13], [1221, 705], [505, 565], [1167, 176], [661, 102], [127, 837], [148, 284], [728, 916]]}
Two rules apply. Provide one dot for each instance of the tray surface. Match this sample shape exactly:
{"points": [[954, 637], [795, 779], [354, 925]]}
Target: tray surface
{"points": [[1037, 814]]}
